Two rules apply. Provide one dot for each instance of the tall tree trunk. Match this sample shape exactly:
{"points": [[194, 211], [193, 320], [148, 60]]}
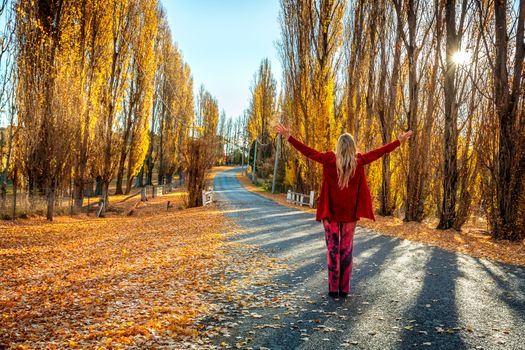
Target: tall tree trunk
{"points": [[98, 186], [129, 175], [140, 177], [80, 174], [352, 71], [128, 184], [450, 173], [510, 164], [430, 117], [51, 201], [120, 171], [414, 167], [78, 194], [149, 172], [386, 117], [147, 166], [160, 174], [469, 165], [370, 98], [3, 195], [123, 155], [79, 181], [465, 177]]}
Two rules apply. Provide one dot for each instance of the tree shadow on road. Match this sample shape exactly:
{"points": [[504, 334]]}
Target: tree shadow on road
{"points": [[318, 285], [368, 267], [511, 288], [434, 312]]}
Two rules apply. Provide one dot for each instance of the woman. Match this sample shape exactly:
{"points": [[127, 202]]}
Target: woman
{"points": [[344, 199]]}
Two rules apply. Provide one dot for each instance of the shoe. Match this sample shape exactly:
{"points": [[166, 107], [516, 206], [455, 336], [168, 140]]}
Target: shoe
{"points": [[343, 294], [333, 294]]}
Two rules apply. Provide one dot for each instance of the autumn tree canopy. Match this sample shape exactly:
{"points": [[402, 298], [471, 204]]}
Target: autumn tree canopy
{"points": [[451, 71], [99, 94]]}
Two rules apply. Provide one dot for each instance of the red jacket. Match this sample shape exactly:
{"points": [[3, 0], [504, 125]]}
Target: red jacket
{"points": [[352, 202]]}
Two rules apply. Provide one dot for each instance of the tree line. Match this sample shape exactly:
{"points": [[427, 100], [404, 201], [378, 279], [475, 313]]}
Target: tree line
{"points": [[451, 70], [95, 91]]}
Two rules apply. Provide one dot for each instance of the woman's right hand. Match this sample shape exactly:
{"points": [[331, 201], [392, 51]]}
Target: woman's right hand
{"points": [[281, 129]]}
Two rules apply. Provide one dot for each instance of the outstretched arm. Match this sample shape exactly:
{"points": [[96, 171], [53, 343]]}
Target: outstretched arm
{"points": [[371, 156], [301, 147]]}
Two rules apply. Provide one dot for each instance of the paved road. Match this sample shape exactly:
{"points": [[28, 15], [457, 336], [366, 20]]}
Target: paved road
{"points": [[404, 294]]}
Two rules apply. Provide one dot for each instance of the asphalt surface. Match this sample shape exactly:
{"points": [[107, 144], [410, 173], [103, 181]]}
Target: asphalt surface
{"points": [[404, 294]]}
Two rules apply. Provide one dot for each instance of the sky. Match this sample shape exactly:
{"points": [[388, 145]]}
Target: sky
{"points": [[224, 41]]}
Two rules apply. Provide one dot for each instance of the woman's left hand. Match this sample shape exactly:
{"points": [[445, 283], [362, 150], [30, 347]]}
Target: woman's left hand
{"points": [[403, 136]]}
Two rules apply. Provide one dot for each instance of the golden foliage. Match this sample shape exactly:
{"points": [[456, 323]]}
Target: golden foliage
{"points": [[312, 34], [102, 91], [109, 282], [262, 108]]}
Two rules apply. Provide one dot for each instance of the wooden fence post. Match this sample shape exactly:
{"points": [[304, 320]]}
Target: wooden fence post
{"points": [[101, 207], [312, 199]]}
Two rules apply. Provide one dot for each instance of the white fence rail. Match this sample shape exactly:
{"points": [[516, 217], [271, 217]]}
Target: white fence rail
{"points": [[299, 198], [155, 191], [207, 197]]}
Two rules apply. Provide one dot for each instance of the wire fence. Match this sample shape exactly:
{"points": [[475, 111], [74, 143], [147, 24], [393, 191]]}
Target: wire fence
{"points": [[23, 204]]}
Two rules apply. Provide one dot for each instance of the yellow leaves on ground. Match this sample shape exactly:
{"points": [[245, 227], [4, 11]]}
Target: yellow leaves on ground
{"points": [[471, 240], [114, 282]]}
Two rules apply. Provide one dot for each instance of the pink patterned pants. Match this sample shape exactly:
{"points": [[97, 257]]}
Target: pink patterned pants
{"points": [[339, 242]]}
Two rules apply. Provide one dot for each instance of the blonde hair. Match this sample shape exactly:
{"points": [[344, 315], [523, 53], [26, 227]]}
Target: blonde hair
{"points": [[345, 155]]}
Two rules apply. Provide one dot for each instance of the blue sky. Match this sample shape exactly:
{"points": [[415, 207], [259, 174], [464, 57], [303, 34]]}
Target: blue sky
{"points": [[224, 42]]}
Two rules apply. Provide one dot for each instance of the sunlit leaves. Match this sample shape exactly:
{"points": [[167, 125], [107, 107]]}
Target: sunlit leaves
{"points": [[108, 282]]}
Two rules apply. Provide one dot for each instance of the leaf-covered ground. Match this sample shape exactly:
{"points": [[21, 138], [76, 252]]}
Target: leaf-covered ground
{"points": [[124, 281], [148, 275], [472, 240]]}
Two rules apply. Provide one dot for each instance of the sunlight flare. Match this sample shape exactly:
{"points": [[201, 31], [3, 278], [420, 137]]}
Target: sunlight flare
{"points": [[461, 57]]}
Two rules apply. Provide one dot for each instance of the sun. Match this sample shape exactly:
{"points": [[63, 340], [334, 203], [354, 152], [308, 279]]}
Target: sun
{"points": [[461, 57]]}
